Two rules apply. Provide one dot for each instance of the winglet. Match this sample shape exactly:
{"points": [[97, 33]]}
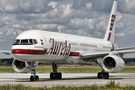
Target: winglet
{"points": [[110, 32]]}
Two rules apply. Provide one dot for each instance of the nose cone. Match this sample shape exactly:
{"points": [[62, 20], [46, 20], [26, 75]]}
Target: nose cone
{"points": [[19, 51]]}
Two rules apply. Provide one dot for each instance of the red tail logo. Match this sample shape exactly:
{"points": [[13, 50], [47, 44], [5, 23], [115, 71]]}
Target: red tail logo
{"points": [[111, 26]]}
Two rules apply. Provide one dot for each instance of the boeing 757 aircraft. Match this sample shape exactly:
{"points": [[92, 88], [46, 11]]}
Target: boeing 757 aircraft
{"points": [[33, 46]]}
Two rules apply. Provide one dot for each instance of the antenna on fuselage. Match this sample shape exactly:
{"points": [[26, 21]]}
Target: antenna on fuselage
{"points": [[59, 30]]}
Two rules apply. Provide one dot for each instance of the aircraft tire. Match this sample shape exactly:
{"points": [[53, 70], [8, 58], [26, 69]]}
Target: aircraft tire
{"points": [[36, 78], [106, 75], [51, 75], [31, 78], [103, 75], [99, 76], [55, 75], [59, 75]]}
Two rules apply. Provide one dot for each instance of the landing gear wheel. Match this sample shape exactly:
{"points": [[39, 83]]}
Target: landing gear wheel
{"points": [[36, 78], [55, 75], [59, 75], [104, 75], [100, 76], [52, 76], [31, 78]]}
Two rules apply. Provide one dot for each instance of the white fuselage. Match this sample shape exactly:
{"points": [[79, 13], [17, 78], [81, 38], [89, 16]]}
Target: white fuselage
{"points": [[45, 46]]}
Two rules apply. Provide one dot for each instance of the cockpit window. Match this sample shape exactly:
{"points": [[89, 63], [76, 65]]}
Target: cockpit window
{"points": [[31, 41], [35, 41], [25, 42], [16, 42]]}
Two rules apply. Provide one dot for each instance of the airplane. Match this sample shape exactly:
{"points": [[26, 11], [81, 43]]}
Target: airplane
{"points": [[34, 46]]}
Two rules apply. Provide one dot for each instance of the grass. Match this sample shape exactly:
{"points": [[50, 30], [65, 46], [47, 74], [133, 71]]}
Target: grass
{"points": [[111, 85], [68, 69]]}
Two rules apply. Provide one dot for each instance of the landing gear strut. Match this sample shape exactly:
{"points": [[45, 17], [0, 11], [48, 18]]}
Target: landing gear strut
{"points": [[103, 75], [55, 74], [34, 77]]}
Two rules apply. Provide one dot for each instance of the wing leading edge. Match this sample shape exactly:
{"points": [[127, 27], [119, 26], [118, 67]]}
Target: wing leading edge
{"points": [[103, 54], [6, 52]]}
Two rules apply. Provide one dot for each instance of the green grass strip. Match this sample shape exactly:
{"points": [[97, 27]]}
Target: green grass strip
{"points": [[68, 69], [111, 85]]}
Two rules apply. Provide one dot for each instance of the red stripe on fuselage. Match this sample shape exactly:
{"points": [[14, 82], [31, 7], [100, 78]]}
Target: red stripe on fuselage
{"points": [[28, 51], [75, 54], [39, 52]]}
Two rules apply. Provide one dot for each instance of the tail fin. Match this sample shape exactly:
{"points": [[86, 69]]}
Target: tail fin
{"points": [[110, 32]]}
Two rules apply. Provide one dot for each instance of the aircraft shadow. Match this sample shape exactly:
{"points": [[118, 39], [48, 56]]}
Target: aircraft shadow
{"points": [[67, 79]]}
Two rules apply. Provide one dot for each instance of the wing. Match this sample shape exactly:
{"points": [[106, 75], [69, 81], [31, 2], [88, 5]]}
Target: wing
{"points": [[103, 54], [6, 52], [93, 55], [126, 48], [126, 51]]}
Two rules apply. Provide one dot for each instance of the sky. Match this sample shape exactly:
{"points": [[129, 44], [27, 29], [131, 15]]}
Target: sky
{"points": [[79, 17]]}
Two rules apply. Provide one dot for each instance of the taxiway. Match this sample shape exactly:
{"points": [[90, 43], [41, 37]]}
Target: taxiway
{"points": [[68, 79]]}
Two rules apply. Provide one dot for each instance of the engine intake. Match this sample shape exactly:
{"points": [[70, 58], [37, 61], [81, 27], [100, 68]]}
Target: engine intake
{"points": [[113, 63], [22, 66]]}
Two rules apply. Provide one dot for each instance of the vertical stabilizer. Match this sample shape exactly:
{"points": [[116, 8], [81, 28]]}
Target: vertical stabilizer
{"points": [[110, 32]]}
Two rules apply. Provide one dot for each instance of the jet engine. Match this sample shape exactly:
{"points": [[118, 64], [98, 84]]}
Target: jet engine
{"points": [[112, 63], [21, 66]]}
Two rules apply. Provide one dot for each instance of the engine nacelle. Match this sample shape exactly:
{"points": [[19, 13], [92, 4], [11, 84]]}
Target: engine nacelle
{"points": [[113, 63], [22, 66]]}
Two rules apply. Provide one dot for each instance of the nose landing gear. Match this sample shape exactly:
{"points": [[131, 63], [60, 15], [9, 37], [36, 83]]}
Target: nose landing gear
{"points": [[34, 78]]}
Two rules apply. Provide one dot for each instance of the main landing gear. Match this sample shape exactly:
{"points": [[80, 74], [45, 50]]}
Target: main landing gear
{"points": [[55, 74], [103, 75], [34, 77]]}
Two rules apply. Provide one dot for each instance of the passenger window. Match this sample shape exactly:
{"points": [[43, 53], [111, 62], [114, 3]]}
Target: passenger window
{"points": [[24, 41]]}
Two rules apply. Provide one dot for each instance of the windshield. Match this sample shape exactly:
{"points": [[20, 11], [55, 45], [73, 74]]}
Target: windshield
{"points": [[25, 42], [17, 41]]}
